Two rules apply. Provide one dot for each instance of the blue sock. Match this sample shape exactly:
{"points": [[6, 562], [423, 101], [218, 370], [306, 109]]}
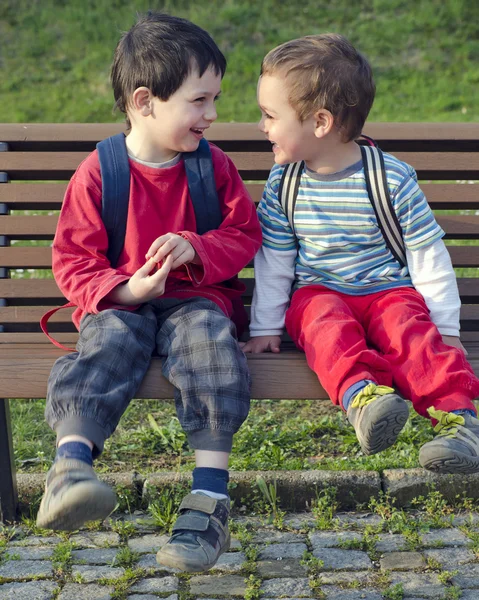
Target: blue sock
{"points": [[76, 450], [461, 411], [353, 390], [212, 480]]}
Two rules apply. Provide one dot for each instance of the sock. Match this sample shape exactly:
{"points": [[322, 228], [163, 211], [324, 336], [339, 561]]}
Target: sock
{"points": [[353, 390], [461, 411], [76, 450], [209, 481]]}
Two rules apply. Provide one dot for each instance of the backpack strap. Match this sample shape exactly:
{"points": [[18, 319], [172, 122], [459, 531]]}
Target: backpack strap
{"points": [[288, 189], [380, 199], [202, 188], [115, 185]]}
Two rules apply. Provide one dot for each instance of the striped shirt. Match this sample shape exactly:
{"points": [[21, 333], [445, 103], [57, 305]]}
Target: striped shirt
{"points": [[337, 237]]}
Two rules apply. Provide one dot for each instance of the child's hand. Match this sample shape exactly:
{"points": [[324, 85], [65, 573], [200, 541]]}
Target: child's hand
{"points": [[172, 245], [146, 284], [455, 342], [262, 343]]}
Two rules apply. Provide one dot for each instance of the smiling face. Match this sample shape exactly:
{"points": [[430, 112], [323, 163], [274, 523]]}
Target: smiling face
{"points": [[177, 124], [292, 139]]}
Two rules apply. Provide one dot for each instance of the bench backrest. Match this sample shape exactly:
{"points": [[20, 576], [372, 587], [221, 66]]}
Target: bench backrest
{"points": [[36, 162]]}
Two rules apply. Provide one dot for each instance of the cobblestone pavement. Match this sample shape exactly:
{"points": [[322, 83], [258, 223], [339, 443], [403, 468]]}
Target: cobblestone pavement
{"points": [[355, 558]]}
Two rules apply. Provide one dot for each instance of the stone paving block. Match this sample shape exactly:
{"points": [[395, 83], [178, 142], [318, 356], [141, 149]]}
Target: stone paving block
{"points": [[30, 552], [469, 595], [235, 544], [450, 558], [76, 591], [446, 537], [156, 585], [276, 537], [31, 590], [423, 585], [90, 573], [95, 556], [220, 585], [338, 594], [288, 567], [358, 520], [148, 561], [36, 540], [150, 597], [279, 551], [287, 587], [390, 542], [346, 577], [299, 522], [147, 543], [333, 539], [467, 577], [95, 539], [26, 569], [230, 562], [343, 560], [402, 561]]}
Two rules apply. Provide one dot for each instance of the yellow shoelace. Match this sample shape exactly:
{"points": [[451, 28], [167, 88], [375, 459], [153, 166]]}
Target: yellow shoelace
{"points": [[446, 422], [369, 394]]}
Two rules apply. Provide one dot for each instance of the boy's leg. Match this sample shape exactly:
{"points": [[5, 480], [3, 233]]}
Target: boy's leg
{"points": [[88, 391], [436, 377], [204, 362], [327, 326]]}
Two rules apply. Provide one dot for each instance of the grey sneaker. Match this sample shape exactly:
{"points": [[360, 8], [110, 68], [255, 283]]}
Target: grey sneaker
{"points": [[73, 496], [377, 414], [456, 447], [200, 534]]}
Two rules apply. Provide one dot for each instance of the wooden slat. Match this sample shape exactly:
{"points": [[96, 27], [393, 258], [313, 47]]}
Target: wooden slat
{"points": [[61, 165], [22, 196], [34, 257], [43, 227], [93, 132]]}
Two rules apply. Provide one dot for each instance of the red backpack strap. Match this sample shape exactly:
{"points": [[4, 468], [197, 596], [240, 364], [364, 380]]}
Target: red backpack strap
{"points": [[369, 140], [43, 324]]}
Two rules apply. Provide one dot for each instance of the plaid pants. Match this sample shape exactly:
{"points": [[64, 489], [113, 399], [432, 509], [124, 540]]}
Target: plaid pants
{"points": [[89, 390]]}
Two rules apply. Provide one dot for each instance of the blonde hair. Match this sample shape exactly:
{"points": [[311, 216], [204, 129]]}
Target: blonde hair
{"points": [[325, 71]]}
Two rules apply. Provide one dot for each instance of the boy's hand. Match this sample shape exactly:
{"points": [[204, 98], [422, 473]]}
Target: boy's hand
{"points": [[144, 285], [172, 245], [262, 343], [455, 342]]}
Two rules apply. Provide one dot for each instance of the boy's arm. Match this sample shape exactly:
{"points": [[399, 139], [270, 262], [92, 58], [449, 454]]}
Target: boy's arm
{"points": [[274, 270], [433, 276], [223, 252]]}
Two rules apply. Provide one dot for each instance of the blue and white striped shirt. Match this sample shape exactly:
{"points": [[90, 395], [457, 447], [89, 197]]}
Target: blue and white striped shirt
{"points": [[337, 236]]}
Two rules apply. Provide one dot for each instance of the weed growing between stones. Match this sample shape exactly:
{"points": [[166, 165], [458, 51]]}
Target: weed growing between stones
{"points": [[395, 592], [324, 507]]}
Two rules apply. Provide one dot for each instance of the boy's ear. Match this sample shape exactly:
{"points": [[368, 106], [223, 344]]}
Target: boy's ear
{"points": [[324, 123], [142, 101]]}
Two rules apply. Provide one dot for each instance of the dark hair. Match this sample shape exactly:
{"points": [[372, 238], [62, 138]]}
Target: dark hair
{"points": [[159, 52], [325, 71]]}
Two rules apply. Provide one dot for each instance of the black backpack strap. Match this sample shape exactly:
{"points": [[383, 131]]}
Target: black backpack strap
{"points": [[202, 188], [288, 189], [115, 184], [376, 183]]}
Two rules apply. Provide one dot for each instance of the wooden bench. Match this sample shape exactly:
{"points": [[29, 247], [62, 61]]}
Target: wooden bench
{"points": [[36, 161]]}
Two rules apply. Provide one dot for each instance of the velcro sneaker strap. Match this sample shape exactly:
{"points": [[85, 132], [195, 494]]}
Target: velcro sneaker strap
{"points": [[198, 502], [192, 522]]}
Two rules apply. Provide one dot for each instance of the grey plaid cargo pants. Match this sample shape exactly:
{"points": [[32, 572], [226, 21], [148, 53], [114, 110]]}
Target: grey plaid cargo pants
{"points": [[89, 390]]}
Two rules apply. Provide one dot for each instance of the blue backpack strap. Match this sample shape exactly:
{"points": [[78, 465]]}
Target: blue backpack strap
{"points": [[202, 188], [115, 183]]}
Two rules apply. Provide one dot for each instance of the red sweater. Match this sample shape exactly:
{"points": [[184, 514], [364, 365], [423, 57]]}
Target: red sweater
{"points": [[159, 203]]}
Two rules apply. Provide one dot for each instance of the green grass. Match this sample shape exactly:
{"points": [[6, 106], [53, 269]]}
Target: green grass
{"points": [[278, 435], [56, 53]]}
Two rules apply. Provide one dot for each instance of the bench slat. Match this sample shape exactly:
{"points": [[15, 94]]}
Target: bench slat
{"points": [[41, 226], [61, 165]]}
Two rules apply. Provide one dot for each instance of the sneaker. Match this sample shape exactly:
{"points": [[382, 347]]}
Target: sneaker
{"points": [[200, 534], [377, 414], [73, 496], [456, 447]]}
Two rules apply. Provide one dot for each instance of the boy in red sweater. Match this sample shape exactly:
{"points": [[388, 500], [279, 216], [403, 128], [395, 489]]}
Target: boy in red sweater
{"points": [[166, 294]]}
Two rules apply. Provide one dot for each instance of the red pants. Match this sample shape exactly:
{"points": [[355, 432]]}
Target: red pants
{"points": [[387, 337]]}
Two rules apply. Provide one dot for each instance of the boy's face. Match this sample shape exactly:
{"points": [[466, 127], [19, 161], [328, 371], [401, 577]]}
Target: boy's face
{"points": [[292, 139], [178, 124]]}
